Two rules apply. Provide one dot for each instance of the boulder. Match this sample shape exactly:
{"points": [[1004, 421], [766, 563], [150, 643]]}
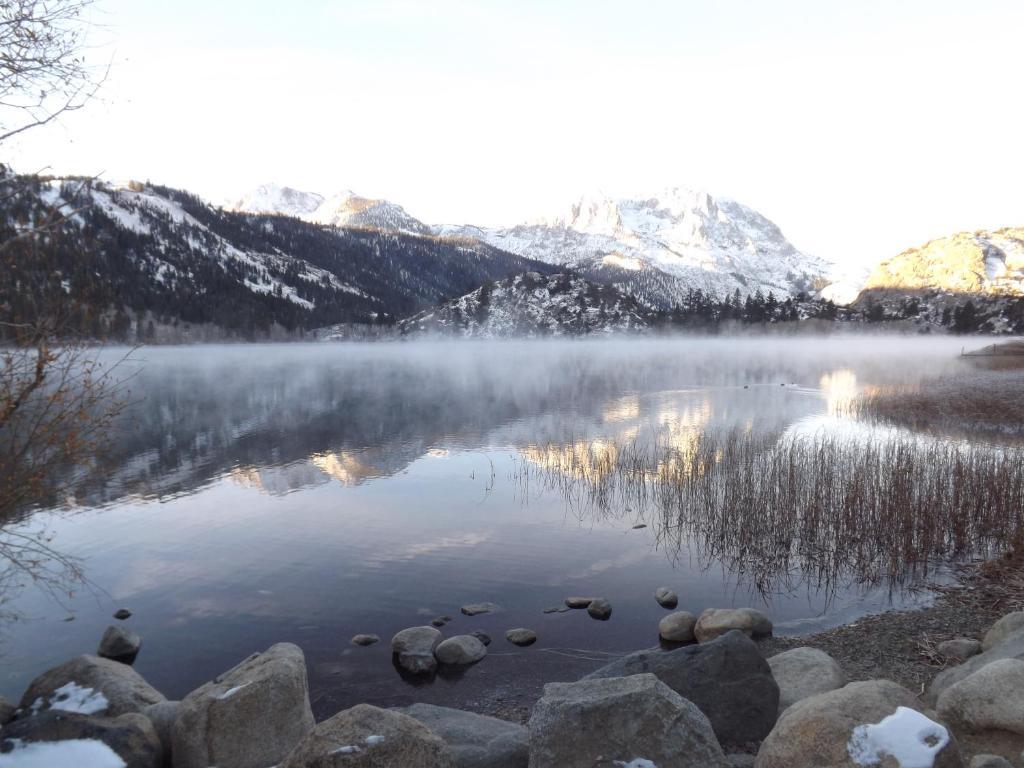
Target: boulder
{"points": [[370, 737], [717, 621], [579, 602], [249, 717], [7, 710], [461, 650], [474, 609], [600, 609], [130, 736], [364, 640], [119, 644], [959, 648], [92, 686], [989, 703], [624, 721], [1011, 647], [1002, 629], [677, 627], [666, 597], [521, 636], [858, 725], [727, 679], [803, 672], [162, 716], [475, 741], [414, 648]]}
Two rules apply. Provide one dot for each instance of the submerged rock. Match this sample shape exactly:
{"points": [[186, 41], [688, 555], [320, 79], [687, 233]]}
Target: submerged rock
{"points": [[600, 609], [666, 597], [475, 609], [803, 672], [475, 741], [90, 685], [414, 648], [119, 644], [460, 650], [130, 736], [370, 737], [365, 640], [249, 717], [848, 728], [556, 609], [728, 679], [620, 721], [483, 637], [717, 621], [521, 636], [677, 627]]}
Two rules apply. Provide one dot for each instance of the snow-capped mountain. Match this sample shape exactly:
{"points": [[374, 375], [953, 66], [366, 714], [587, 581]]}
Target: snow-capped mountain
{"points": [[342, 209], [718, 246], [532, 305]]}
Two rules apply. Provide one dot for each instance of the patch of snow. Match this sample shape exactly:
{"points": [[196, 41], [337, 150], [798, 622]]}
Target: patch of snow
{"points": [[74, 698], [636, 762], [371, 740], [906, 735], [348, 749], [231, 692], [80, 753]]}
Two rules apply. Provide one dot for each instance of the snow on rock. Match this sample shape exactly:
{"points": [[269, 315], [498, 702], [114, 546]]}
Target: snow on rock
{"points": [[909, 737], [75, 698], [80, 753]]}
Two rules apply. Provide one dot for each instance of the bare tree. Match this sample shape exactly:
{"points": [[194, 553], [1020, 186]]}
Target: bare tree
{"points": [[56, 400]]}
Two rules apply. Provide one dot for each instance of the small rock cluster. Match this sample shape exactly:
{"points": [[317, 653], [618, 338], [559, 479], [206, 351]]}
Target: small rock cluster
{"points": [[712, 704]]}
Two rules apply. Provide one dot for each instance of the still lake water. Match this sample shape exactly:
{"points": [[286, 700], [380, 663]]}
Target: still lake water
{"points": [[308, 493]]}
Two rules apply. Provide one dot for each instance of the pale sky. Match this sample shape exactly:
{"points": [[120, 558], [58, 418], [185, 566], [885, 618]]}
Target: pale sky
{"points": [[860, 128]]}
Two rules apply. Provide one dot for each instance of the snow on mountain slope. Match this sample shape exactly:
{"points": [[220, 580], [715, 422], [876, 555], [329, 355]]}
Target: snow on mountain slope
{"points": [[342, 209], [533, 305], [718, 246]]}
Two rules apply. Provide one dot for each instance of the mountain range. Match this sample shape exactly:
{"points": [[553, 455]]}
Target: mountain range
{"points": [[150, 262]]}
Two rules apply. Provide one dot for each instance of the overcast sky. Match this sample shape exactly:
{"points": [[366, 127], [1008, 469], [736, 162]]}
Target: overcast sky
{"points": [[861, 128]]}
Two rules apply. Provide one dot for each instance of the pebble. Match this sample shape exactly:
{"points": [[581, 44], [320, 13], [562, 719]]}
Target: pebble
{"points": [[521, 636]]}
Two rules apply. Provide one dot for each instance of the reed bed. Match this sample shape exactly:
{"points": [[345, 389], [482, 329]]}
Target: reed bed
{"points": [[779, 511]]}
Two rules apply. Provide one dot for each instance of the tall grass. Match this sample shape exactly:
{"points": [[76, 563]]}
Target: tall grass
{"points": [[781, 510]]}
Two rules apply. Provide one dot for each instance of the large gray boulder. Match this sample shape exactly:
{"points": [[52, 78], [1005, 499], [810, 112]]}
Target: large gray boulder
{"points": [[370, 737], [130, 736], [860, 724], [460, 651], [989, 706], [803, 672], [475, 741], [1002, 629], [620, 721], [414, 649], [249, 717], [1010, 647], [119, 644], [92, 686], [728, 679], [715, 622]]}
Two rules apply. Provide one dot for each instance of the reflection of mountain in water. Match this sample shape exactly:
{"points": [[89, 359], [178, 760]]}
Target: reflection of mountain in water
{"points": [[286, 417]]}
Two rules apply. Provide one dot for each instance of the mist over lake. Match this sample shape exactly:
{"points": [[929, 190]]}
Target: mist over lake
{"points": [[263, 493]]}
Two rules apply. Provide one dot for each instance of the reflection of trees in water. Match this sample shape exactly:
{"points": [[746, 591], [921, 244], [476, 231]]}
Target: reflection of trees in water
{"points": [[783, 512]]}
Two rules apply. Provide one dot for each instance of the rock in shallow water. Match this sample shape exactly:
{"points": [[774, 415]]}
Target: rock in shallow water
{"points": [[415, 649], [461, 650], [728, 679], [666, 597], [717, 621], [119, 644], [369, 737], [579, 602], [600, 609], [122, 614], [476, 741], [483, 637], [521, 636], [365, 640], [677, 627], [475, 609], [249, 717], [803, 672], [620, 721], [828, 729]]}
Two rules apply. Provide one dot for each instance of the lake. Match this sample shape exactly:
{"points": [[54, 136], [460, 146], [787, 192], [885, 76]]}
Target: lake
{"points": [[263, 493]]}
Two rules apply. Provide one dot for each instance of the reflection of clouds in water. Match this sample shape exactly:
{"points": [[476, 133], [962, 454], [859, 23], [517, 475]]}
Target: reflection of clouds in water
{"points": [[624, 560], [403, 552]]}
